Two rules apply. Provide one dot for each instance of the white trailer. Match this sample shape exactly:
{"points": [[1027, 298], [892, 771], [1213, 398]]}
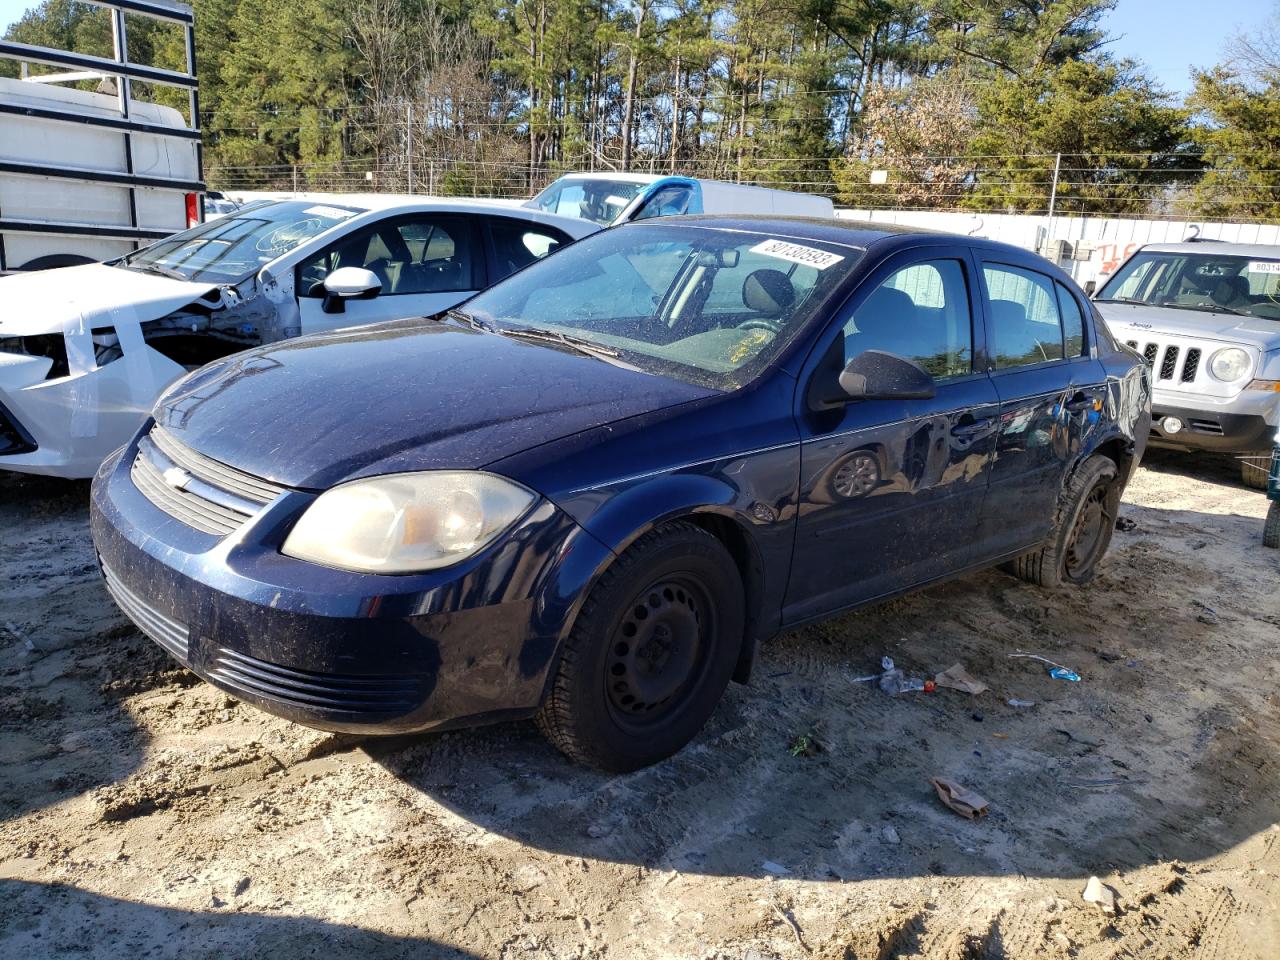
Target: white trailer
{"points": [[88, 176]]}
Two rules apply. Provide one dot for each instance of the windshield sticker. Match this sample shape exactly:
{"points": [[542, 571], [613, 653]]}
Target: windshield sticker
{"points": [[333, 213], [1264, 266], [797, 253]]}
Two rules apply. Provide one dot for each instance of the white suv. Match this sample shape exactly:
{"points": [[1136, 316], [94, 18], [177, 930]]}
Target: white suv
{"points": [[1206, 316]]}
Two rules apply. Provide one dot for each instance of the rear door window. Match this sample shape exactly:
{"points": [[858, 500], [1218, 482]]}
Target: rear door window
{"points": [[1072, 322], [516, 244], [1025, 324]]}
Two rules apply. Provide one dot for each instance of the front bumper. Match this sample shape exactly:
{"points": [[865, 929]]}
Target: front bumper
{"points": [[1216, 432], [338, 650]]}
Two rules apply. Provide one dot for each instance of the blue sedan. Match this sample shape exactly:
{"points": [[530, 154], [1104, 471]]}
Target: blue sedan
{"points": [[590, 492]]}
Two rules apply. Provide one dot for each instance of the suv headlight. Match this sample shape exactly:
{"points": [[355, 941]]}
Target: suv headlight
{"points": [[407, 522], [1229, 364]]}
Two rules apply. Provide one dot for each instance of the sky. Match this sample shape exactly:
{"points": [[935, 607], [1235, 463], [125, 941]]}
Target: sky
{"points": [[1169, 36]]}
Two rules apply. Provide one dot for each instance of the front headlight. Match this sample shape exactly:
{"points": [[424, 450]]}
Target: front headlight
{"points": [[407, 522], [1229, 364]]}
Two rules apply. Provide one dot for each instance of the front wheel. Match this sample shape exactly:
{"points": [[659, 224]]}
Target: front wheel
{"points": [[1271, 532], [1255, 467], [650, 654], [1082, 528]]}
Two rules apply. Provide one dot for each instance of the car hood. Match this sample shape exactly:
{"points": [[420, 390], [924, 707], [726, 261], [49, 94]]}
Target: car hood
{"points": [[74, 299], [1128, 321], [409, 395]]}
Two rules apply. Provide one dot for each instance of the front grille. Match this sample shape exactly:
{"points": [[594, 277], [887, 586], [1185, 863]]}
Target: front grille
{"points": [[1191, 365], [169, 633], [1150, 353], [389, 695], [198, 490], [1169, 364]]}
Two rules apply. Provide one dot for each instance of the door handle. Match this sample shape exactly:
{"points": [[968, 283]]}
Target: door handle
{"points": [[971, 429]]}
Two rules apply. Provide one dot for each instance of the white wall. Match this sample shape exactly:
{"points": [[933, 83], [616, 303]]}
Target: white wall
{"points": [[1095, 246]]}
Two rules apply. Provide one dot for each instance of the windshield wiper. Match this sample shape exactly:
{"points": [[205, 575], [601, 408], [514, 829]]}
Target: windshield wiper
{"points": [[555, 336], [470, 320], [1119, 300], [156, 268]]}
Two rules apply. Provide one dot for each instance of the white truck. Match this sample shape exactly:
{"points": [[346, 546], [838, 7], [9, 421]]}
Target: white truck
{"points": [[88, 176]]}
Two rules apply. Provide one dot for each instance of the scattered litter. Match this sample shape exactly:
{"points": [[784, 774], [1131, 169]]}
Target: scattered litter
{"points": [[1056, 670], [893, 681], [930, 686], [777, 869], [960, 799], [1015, 702], [1109, 657], [1207, 614], [977, 716], [958, 678], [1001, 736], [890, 835], [805, 745], [1095, 891], [1125, 524]]}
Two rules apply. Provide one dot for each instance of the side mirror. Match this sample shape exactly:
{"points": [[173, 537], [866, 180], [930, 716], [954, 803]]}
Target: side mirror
{"points": [[1089, 287], [349, 283], [876, 375]]}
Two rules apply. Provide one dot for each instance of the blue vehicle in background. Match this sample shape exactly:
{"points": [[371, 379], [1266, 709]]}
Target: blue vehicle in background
{"points": [[588, 494], [1271, 532], [613, 198]]}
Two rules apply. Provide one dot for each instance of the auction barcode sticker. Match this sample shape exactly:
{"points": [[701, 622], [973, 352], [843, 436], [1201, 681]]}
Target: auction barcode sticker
{"points": [[797, 253], [1264, 266]]}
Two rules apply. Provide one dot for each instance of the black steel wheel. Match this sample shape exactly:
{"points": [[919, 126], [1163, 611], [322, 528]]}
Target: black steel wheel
{"points": [[1082, 528], [650, 653], [1271, 531]]}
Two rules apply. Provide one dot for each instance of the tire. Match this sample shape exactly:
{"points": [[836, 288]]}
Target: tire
{"points": [[631, 690], [1271, 532], [1255, 467], [1087, 509]]}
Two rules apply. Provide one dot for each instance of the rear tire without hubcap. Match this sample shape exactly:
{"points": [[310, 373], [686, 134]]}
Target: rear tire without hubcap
{"points": [[650, 654], [1082, 528]]}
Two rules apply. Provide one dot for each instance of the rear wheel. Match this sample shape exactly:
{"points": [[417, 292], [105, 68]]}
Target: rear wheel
{"points": [[1271, 532], [650, 654], [1255, 467], [1082, 528]]}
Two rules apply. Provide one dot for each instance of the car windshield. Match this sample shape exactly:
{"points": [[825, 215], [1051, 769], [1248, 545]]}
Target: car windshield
{"points": [[705, 305], [1208, 282], [240, 244], [597, 200]]}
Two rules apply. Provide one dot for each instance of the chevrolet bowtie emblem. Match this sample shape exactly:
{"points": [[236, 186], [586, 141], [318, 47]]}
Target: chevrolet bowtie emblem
{"points": [[177, 478]]}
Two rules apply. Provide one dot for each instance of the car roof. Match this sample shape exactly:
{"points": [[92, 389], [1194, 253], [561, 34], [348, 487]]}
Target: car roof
{"points": [[1212, 247], [610, 175], [838, 230], [384, 203]]}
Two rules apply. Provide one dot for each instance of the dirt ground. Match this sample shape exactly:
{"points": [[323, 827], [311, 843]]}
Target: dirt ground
{"points": [[143, 813]]}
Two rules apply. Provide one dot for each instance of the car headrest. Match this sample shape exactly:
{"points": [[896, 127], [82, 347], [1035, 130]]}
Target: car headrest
{"points": [[768, 292], [1008, 314], [1229, 289], [887, 309]]}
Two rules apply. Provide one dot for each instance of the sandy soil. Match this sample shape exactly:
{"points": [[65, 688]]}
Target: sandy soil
{"points": [[144, 813]]}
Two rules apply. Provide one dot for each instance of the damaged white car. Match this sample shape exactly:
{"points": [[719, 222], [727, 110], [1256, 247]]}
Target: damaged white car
{"points": [[84, 351]]}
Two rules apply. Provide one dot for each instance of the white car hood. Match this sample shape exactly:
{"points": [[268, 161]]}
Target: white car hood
{"points": [[79, 299], [1128, 321]]}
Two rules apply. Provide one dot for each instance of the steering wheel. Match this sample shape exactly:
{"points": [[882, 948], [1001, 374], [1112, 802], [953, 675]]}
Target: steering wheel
{"points": [[760, 323]]}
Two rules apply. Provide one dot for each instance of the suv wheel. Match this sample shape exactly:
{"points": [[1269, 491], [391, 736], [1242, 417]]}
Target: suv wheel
{"points": [[650, 654], [1255, 467], [1271, 532], [1082, 528]]}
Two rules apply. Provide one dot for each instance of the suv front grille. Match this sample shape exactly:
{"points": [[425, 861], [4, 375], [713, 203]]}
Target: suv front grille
{"points": [[1168, 356], [201, 492]]}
